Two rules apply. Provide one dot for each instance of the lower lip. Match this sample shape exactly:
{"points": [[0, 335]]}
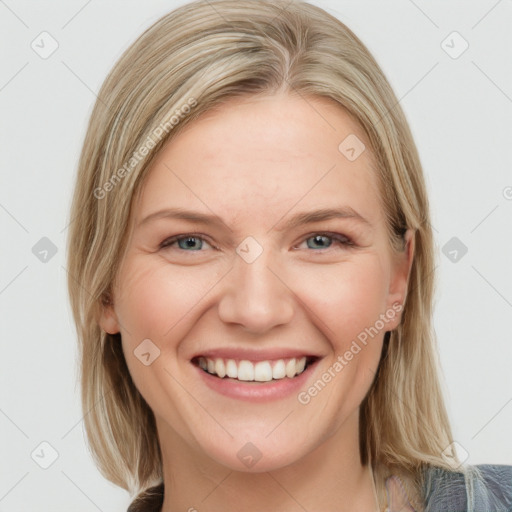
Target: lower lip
{"points": [[257, 391]]}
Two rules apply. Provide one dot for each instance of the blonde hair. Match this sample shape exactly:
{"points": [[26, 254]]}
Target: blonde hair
{"points": [[201, 55]]}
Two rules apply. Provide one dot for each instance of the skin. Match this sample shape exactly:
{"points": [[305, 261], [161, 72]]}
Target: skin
{"points": [[256, 162]]}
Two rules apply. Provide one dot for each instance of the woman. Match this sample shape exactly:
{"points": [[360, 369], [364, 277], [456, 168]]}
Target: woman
{"points": [[251, 275]]}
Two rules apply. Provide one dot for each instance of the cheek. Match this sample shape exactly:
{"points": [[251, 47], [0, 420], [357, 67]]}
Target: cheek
{"points": [[347, 298], [157, 301], [346, 305]]}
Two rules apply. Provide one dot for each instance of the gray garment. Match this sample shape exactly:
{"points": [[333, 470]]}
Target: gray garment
{"points": [[483, 488]]}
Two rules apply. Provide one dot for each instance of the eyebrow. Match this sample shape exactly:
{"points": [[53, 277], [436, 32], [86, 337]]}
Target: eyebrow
{"points": [[323, 214]]}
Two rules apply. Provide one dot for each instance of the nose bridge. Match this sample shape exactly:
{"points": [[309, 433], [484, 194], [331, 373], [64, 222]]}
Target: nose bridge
{"points": [[256, 297]]}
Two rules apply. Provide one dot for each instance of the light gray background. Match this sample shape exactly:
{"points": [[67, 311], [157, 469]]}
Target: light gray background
{"points": [[460, 111]]}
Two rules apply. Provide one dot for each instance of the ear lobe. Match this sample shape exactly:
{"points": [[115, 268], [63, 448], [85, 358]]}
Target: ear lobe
{"points": [[108, 319]]}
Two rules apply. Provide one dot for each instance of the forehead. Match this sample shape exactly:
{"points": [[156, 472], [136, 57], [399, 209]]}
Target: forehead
{"points": [[260, 156]]}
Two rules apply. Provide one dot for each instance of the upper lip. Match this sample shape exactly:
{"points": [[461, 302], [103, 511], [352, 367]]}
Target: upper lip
{"points": [[255, 354]]}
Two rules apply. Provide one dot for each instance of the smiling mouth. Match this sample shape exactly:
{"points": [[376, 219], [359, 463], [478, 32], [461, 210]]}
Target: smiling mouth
{"points": [[258, 371]]}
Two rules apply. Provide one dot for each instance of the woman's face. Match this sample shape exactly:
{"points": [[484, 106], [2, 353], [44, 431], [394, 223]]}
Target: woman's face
{"points": [[258, 243]]}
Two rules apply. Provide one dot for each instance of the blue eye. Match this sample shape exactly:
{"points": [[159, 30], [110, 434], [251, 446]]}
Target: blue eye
{"points": [[326, 240], [321, 240], [190, 242], [187, 243], [195, 243]]}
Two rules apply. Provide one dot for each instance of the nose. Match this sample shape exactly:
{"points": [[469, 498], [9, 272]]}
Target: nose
{"points": [[256, 295]]}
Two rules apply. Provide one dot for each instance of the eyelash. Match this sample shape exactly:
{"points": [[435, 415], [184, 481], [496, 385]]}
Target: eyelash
{"points": [[338, 238]]}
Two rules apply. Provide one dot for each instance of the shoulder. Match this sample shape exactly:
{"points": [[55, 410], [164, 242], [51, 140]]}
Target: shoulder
{"points": [[482, 487]]}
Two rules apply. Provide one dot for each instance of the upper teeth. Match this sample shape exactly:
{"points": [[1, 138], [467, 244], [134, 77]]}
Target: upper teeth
{"points": [[261, 371]]}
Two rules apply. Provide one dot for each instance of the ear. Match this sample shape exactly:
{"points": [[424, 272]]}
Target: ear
{"points": [[108, 319], [400, 272]]}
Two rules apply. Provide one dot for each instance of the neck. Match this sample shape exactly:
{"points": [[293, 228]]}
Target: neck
{"points": [[331, 478]]}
